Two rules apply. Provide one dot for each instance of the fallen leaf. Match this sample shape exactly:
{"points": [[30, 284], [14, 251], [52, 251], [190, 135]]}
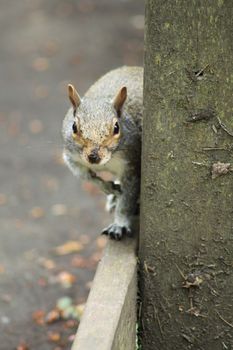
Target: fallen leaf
{"points": [[71, 324], [38, 317], [51, 183], [63, 303], [52, 316], [22, 346], [66, 279], [80, 308], [69, 247], [54, 336], [3, 199], [59, 210], [101, 242], [2, 269], [47, 263], [37, 212], [70, 312], [71, 337], [35, 126], [41, 91], [83, 263], [40, 64]]}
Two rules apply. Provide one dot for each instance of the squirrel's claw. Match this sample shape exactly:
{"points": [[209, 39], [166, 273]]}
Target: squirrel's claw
{"points": [[115, 231]]}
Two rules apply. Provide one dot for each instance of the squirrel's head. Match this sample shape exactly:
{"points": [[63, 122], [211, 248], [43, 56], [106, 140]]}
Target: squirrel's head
{"points": [[96, 129]]}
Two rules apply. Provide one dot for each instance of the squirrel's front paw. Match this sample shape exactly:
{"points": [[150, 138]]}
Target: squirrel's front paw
{"points": [[116, 231]]}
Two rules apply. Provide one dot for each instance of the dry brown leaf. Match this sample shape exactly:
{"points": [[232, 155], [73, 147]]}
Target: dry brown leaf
{"points": [[35, 126], [3, 199], [69, 247], [47, 263], [59, 210], [41, 91], [37, 212], [83, 263], [66, 279], [2, 269], [52, 316], [71, 337], [71, 324], [101, 242], [80, 309], [54, 336], [22, 346], [38, 317], [40, 64]]}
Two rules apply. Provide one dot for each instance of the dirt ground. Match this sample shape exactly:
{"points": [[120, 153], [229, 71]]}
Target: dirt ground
{"points": [[43, 46]]}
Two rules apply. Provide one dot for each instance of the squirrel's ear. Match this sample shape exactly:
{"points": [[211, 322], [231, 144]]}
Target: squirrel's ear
{"points": [[73, 96], [120, 99]]}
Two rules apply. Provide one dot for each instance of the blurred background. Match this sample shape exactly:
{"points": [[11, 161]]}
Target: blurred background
{"points": [[50, 222]]}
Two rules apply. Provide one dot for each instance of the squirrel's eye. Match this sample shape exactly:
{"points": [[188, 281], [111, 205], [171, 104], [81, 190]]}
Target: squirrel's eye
{"points": [[116, 128], [75, 129]]}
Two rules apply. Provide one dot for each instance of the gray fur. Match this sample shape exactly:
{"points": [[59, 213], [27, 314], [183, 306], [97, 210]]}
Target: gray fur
{"points": [[95, 116]]}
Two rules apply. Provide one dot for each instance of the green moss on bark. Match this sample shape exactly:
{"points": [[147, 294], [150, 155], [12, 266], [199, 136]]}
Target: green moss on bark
{"points": [[186, 215]]}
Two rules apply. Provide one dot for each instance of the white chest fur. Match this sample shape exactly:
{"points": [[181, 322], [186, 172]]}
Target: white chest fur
{"points": [[116, 165]]}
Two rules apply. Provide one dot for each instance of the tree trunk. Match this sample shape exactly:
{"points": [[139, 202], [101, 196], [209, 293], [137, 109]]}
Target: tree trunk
{"points": [[186, 240]]}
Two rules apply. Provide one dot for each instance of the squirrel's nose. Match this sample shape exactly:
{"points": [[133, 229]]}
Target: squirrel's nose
{"points": [[94, 157]]}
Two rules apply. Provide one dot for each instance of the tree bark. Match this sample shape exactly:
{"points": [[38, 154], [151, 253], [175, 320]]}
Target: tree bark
{"points": [[186, 239]]}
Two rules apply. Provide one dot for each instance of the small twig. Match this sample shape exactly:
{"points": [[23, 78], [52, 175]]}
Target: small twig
{"points": [[200, 164], [181, 273], [191, 299], [223, 126], [223, 319], [214, 149], [158, 320], [201, 71]]}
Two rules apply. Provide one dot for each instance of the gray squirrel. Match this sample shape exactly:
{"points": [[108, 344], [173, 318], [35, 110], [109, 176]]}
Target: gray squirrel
{"points": [[102, 132]]}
